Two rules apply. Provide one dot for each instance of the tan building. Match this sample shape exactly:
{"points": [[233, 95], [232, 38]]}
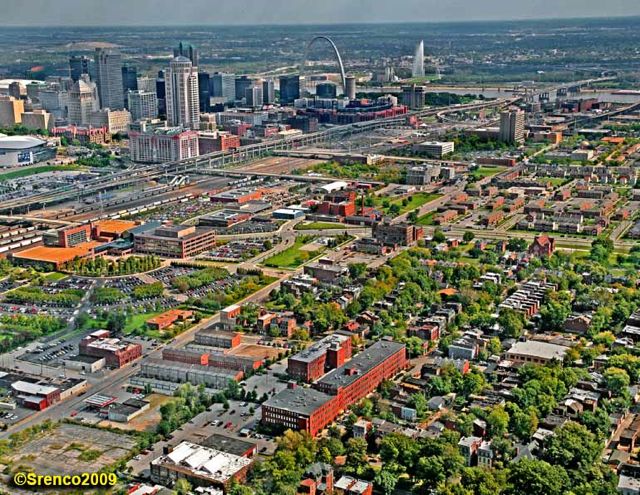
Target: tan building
{"points": [[11, 111], [38, 119], [114, 120]]}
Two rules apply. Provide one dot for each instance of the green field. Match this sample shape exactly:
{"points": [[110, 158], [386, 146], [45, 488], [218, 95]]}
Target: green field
{"points": [[555, 181], [321, 226], [25, 172], [293, 256], [55, 276], [414, 201], [486, 171], [428, 219]]}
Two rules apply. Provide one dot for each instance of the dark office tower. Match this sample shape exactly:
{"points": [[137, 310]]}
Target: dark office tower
{"points": [[109, 78], [268, 92], [326, 90], [79, 64], [129, 81], [289, 89], [161, 92], [204, 91], [187, 50], [242, 84]]}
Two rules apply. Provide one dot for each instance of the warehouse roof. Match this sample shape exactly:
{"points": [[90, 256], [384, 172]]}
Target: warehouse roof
{"points": [[361, 364], [299, 400], [538, 349]]}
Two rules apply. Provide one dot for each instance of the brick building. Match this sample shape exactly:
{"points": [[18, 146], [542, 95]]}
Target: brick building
{"points": [[115, 352], [326, 354], [312, 409], [398, 234]]}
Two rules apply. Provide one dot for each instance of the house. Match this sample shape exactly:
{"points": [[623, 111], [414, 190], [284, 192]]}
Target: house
{"points": [[578, 323], [352, 486], [469, 449], [542, 245]]}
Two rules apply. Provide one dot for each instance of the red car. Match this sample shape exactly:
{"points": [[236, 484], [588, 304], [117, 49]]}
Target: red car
{"points": [[228, 425]]}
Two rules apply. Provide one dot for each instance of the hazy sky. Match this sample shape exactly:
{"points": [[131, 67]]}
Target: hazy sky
{"points": [[163, 12]]}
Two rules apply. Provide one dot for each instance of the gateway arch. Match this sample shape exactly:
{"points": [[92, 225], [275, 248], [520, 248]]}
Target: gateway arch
{"points": [[343, 75]]}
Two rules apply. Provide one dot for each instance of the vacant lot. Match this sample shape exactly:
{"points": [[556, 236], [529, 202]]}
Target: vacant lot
{"points": [[70, 448], [25, 172], [486, 171], [296, 255]]}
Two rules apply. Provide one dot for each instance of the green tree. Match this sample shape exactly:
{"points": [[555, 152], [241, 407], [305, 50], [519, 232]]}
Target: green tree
{"points": [[497, 422], [182, 487], [512, 322], [386, 480], [534, 477]]}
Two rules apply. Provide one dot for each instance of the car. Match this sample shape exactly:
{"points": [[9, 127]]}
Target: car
{"points": [[228, 425]]}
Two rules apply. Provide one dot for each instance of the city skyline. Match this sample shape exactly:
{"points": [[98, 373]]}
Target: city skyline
{"points": [[258, 12]]}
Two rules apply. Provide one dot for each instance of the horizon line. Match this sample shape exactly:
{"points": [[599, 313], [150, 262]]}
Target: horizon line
{"points": [[302, 23]]}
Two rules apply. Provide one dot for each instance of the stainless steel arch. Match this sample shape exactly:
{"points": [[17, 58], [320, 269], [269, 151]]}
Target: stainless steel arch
{"points": [[343, 75]]}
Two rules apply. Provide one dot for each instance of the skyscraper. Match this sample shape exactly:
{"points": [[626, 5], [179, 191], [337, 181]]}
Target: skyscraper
{"points": [[78, 65], [289, 89], [242, 84], [418, 61], [413, 96], [223, 86], [187, 50], [326, 90], [83, 100], [268, 92], [109, 78], [512, 126], [143, 104], [181, 81], [350, 90], [204, 91], [254, 96]]}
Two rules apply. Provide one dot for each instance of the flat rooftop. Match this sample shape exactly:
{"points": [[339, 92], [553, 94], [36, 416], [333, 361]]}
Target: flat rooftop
{"points": [[206, 462], [538, 349], [48, 254], [229, 445], [319, 348], [111, 226], [300, 400], [361, 364]]}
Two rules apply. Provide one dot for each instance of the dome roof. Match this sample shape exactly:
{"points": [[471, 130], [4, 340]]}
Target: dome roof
{"points": [[20, 142]]}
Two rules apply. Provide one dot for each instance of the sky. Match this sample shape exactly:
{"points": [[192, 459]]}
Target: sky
{"points": [[248, 12]]}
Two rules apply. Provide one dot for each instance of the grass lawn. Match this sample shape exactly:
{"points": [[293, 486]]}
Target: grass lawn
{"points": [[293, 256], [427, 219], [555, 181], [414, 201], [25, 172], [486, 171], [138, 321], [321, 226], [55, 276]]}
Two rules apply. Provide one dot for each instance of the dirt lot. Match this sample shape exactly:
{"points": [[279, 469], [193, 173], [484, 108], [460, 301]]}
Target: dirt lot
{"points": [[280, 165], [256, 351], [70, 449]]}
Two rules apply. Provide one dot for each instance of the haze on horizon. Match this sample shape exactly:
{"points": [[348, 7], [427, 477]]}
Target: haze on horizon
{"points": [[248, 12]]}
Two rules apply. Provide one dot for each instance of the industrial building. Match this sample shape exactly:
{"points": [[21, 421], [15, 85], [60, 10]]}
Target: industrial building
{"points": [[115, 352], [398, 234], [312, 409], [200, 466], [314, 361]]}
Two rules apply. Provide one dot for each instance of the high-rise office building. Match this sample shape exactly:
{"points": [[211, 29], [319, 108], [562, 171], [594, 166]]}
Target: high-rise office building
{"points": [[17, 90], [326, 90], [109, 78], [350, 90], [254, 96], [413, 96], [512, 126], [78, 65], [223, 86], [418, 61], [181, 81], [289, 89], [161, 91], [129, 78], [268, 92], [204, 91], [242, 84], [143, 104], [11, 110], [147, 84], [187, 50], [83, 100]]}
